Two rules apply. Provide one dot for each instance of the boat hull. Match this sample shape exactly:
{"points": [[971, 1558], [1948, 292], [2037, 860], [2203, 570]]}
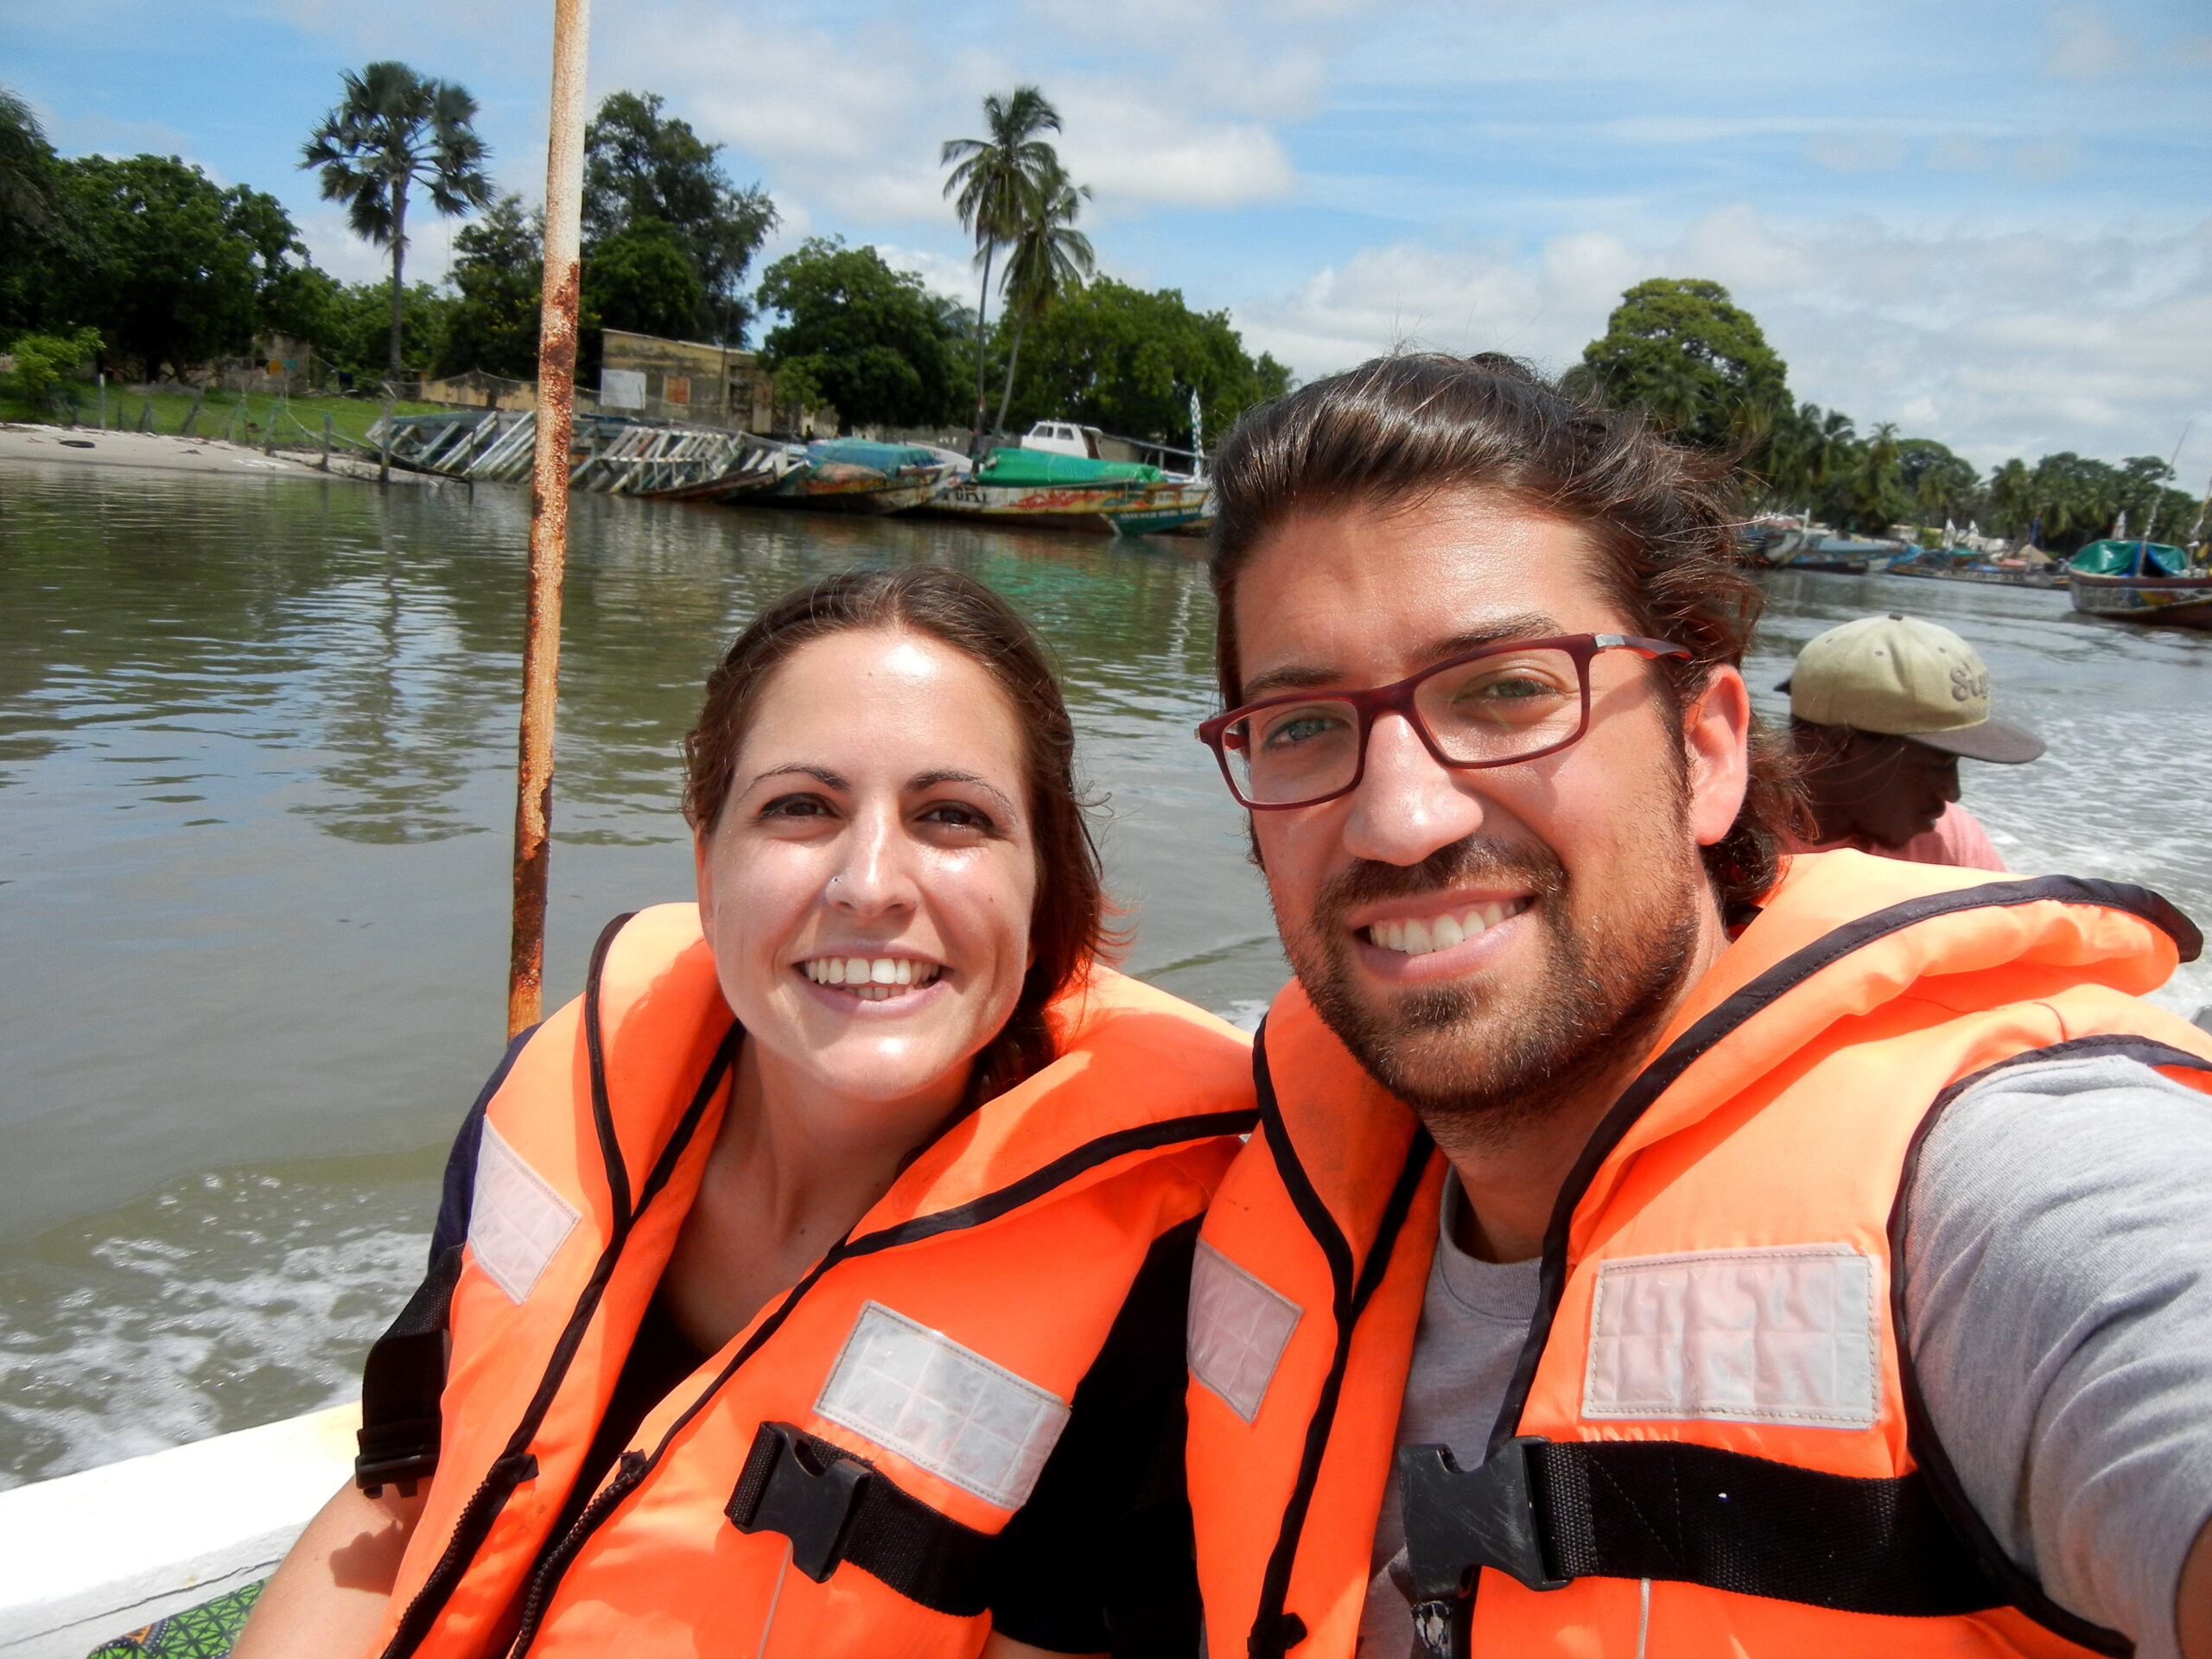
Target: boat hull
{"points": [[1129, 509], [2157, 602], [848, 495]]}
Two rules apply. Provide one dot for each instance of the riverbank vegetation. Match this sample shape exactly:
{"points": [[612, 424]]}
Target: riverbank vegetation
{"points": [[209, 412], [178, 275], [1684, 353]]}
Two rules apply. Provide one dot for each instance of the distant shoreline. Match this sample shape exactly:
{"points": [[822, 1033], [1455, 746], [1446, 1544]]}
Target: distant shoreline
{"points": [[163, 452]]}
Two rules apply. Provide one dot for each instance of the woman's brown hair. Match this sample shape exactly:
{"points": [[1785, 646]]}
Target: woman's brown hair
{"points": [[1067, 925]]}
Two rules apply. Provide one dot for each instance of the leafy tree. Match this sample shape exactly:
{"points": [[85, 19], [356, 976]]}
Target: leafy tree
{"points": [[1050, 259], [27, 187], [170, 268], [1684, 351], [393, 130], [1116, 357], [868, 338], [25, 157], [499, 275], [994, 184], [353, 326], [641, 165], [42, 359], [1940, 485], [642, 279]]}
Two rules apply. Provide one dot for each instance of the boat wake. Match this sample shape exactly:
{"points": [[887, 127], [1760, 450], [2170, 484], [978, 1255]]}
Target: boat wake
{"points": [[221, 1301]]}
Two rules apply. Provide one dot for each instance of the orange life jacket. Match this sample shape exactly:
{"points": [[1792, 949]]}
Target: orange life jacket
{"points": [[872, 1427], [1713, 1443]]}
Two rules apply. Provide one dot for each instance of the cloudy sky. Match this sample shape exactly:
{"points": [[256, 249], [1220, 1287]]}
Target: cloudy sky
{"points": [[1990, 220]]}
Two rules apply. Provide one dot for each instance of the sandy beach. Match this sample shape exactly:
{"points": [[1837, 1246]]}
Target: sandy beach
{"points": [[167, 453]]}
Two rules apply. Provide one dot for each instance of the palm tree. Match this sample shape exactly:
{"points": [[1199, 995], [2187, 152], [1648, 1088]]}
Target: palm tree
{"points": [[1674, 397], [1049, 258], [1874, 489], [393, 130], [991, 179]]}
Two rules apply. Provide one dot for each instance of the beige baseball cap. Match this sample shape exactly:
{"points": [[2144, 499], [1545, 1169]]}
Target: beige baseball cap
{"points": [[1899, 676]]}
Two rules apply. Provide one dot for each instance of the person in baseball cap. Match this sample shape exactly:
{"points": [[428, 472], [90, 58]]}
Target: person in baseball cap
{"points": [[1881, 709]]}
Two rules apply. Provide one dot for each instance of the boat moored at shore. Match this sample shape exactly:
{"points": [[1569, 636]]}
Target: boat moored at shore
{"points": [[859, 475], [1054, 491], [2142, 581]]}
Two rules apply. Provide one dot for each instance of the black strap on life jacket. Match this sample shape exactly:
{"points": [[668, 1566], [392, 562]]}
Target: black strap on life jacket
{"points": [[1549, 1512], [401, 1385], [834, 1507]]}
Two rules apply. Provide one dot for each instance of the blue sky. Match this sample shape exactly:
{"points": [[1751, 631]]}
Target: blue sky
{"points": [[1991, 222]]}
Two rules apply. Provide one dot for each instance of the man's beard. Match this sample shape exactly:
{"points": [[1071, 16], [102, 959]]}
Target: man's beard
{"points": [[1473, 1061]]}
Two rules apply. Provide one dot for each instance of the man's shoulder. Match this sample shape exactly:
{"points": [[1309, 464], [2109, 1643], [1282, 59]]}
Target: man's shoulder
{"points": [[2102, 1108], [2053, 1167]]}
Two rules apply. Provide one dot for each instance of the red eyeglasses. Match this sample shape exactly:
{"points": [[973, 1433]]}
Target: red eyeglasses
{"points": [[1490, 707]]}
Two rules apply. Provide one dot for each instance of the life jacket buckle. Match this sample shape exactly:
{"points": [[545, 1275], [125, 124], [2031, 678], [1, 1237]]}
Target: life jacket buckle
{"points": [[396, 1454], [789, 1486], [1458, 1520]]}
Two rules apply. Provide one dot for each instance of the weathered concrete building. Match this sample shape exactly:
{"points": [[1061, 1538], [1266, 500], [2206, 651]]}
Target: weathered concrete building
{"points": [[685, 380]]}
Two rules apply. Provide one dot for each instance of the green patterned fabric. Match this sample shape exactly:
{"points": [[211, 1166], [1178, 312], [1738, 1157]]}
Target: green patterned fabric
{"points": [[207, 1631]]}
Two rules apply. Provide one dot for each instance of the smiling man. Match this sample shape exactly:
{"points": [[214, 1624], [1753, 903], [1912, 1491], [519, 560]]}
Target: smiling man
{"points": [[1655, 1244]]}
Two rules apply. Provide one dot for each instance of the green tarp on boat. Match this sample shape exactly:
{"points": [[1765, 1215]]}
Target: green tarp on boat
{"points": [[2118, 559], [1030, 468], [884, 458]]}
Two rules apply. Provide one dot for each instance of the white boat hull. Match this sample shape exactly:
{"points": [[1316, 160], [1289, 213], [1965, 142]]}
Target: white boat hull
{"points": [[93, 1556]]}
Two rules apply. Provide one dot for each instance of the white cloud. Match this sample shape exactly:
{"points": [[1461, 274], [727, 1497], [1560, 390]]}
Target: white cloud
{"points": [[1998, 343], [1138, 150], [955, 278], [1857, 152], [2088, 48]]}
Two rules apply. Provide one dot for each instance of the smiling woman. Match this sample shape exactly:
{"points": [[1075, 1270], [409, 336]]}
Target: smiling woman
{"points": [[844, 1225]]}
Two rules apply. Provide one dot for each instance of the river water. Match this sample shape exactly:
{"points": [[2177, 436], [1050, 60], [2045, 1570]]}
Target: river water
{"points": [[256, 785]]}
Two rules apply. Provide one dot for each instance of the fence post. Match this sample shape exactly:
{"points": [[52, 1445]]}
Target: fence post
{"points": [[103, 380], [384, 450], [326, 440], [269, 431]]}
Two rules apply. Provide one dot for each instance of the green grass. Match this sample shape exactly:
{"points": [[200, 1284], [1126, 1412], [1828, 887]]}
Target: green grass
{"points": [[349, 417]]}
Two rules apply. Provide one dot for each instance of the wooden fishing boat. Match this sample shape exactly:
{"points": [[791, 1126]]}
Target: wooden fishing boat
{"points": [[2140, 580], [858, 475], [753, 469], [1049, 491], [2160, 601], [1131, 507]]}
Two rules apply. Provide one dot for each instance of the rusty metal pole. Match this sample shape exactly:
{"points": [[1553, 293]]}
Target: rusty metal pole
{"points": [[548, 509]]}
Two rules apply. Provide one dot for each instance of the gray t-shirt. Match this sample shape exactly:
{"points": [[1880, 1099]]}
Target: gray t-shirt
{"points": [[2058, 1306]]}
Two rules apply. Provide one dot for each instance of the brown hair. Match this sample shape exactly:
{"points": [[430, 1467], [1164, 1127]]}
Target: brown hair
{"points": [[1399, 429], [1067, 925]]}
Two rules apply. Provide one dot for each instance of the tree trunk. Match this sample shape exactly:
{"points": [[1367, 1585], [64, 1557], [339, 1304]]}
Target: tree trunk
{"points": [[982, 311], [1012, 356], [399, 259]]}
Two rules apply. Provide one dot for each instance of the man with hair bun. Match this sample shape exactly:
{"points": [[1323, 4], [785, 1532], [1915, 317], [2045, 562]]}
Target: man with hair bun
{"points": [[1655, 1244]]}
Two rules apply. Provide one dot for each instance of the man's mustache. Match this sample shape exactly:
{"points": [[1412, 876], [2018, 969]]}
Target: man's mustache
{"points": [[1469, 863]]}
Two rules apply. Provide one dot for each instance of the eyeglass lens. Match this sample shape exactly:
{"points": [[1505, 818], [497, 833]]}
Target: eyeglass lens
{"points": [[1492, 710]]}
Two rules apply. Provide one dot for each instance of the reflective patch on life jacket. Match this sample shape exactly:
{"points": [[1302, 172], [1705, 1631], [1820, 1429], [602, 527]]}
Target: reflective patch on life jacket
{"points": [[1787, 1334], [1238, 1329], [944, 1407], [516, 1219]]}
